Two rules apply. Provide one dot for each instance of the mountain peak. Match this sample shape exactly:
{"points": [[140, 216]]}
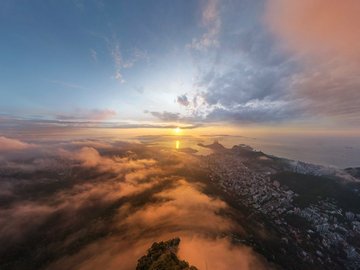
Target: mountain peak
{"points": [[162, 256]]}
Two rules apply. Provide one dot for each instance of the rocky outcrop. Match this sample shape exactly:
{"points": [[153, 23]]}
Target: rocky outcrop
{"points": [[162, 256]]}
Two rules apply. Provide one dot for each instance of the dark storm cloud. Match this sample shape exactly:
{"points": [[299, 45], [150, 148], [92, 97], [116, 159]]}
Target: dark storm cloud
{"points": [[95, 204]]}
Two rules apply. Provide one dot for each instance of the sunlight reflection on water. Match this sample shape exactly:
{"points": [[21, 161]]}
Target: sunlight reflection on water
{"points": [[326, 150]]}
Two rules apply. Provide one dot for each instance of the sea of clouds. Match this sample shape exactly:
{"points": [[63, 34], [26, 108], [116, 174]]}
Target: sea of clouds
{"points": [[100, 204]]}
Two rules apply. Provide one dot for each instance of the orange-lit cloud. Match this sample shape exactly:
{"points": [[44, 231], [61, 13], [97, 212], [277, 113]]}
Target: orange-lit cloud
{"points": [[90, 157], [10, 144], [317, 27], [109, 205], [324, 37], [183, 207], [174, 214], [219, 254]]}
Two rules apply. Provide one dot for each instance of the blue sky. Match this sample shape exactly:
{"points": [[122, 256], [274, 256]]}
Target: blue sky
{"points": [[60, 57], [196, 61]]}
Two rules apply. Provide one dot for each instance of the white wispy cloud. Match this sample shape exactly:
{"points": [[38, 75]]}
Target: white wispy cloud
{"points": [[117, 58], [119, 76], [137, 55], [68, 84], [121, 63], [93, 54], [211, 21]]}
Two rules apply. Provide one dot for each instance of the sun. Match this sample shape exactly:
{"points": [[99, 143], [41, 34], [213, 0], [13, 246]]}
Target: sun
{"points": [[177, 130]]}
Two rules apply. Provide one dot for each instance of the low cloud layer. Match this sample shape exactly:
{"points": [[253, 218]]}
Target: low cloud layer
{"points": [[9, 144], [94, 204]]}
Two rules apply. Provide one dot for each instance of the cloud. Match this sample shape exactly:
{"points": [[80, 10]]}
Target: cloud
{"points": [[177, 210], [63, 201], [120, 63], [116, 54], [211, 21], [136, 56], [166, 116], [9, 144], [330, 89], [254, 111], [68, 84], [93, 55], [90, 157], [219, 254], [93, 115], [102, 114], [245, 77], [183, 100], [117, 59], [139, 89], [94, 143], [17, 221], [320, 28], [119, 76], [245, 82], [324, 37], [255, 88], [172, 215], [103, 208], [70, 123], [278, 61]]}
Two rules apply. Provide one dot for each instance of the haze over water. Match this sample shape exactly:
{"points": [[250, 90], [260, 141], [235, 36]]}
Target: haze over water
{"points": [[331, 150]]}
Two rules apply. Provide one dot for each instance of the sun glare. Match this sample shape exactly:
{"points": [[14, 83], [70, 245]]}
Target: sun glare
{"points": [[177, 130]]}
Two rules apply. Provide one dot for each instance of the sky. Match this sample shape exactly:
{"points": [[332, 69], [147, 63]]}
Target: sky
{"points": [[261, 63]]}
